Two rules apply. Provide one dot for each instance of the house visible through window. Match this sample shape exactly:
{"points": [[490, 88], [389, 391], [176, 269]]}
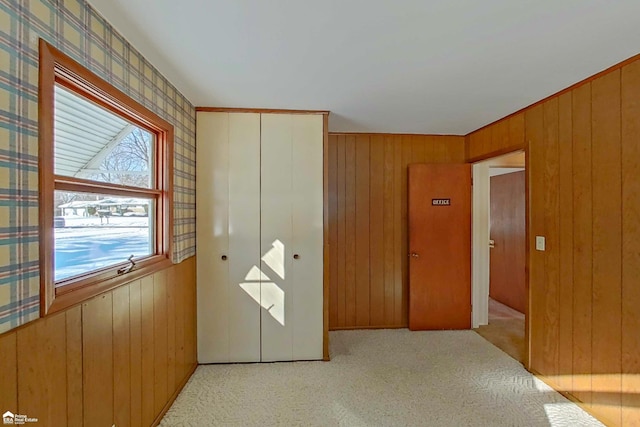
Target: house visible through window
{"points": [[93, 230], [105, 175]]}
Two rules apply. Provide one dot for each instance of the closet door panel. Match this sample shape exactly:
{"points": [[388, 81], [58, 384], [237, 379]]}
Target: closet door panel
{"points": [[307, 218], [212, 213], [243, 305], [276, 243]]}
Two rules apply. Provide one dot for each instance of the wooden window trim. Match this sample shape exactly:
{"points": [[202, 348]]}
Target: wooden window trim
{"points": [[58, 68], [68, 183]]}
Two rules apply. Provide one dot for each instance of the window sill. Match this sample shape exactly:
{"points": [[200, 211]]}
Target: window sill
{"points": [[77, 296]]}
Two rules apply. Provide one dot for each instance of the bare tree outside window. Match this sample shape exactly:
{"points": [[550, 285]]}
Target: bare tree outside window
{"points": [[129, 161]]}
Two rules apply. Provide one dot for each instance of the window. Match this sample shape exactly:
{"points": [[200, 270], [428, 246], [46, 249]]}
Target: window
{"points": [[105, 184]]}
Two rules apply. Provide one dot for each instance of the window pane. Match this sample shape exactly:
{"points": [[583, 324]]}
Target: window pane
{"points": [[95, 231], [93, 143]]}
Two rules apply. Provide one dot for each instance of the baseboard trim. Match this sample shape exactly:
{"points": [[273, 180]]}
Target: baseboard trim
{"points": [[174, 396], [351, 328]]}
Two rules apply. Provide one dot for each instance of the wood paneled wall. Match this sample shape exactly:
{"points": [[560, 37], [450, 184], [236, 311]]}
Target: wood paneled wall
{"points": [[584, 183], [502, 137], [368, 223], [117, 359]]}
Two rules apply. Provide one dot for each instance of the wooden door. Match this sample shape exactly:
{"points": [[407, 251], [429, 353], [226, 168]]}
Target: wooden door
{"points": [[507, 258], [439, 246]]}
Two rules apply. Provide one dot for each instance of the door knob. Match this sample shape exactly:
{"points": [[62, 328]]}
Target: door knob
{"points": [[492, 244], [296, 256], [223, 257], [414, 255]]}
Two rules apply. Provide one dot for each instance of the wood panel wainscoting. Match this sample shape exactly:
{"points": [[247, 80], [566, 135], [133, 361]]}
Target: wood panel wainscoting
{"points": [[584, 197], [119, 358], [368, 271]]}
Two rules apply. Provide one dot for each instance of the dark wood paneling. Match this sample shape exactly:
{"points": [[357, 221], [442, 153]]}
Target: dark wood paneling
{"points": [[75, 409], [121, 356], [607, 241], [582, 243], [534, 127], [500, 134], [388, 230], [42, 370], [402, 316], [550, 213], [97, 360], [507, 262], [501, 137], [419, 147], [376, 230], [147, 321], [160, 348], [172, 376], [399, 233], [565, 242], [341, 228], [362, 196], [188, 272], [630, 152], [350, 231], [516, 131], [333, 231], [9, 373], [135, 335], [571, 88], [584, 198], [367, 226], [84, 365]]}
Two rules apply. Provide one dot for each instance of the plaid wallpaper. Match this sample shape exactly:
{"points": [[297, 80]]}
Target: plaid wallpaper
{"points": [[76, 29]]}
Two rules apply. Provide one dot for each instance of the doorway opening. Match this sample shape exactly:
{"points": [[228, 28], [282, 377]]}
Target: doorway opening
{"points": [[499, 244]]}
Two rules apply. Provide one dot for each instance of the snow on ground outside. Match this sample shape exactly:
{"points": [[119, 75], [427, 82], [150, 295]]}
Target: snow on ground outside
{"points": [[86, 244]]}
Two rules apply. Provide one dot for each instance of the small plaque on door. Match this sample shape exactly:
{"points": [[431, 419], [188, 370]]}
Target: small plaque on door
{"points": [[440, 202]]}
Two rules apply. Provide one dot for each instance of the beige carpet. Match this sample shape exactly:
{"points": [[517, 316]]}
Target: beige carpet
{"points": [[378, 378], [505, 330]]}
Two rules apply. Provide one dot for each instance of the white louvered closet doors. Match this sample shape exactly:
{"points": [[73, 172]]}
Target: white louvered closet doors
{"points": [[259, 237]]}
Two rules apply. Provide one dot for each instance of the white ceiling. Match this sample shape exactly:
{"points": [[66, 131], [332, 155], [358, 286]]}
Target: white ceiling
{"points": [[503, 171], [414, 66]]}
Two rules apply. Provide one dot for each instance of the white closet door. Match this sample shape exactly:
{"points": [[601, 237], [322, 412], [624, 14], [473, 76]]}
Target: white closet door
{"points": [[307, 217], [228, 218], [276, 231], [212, 237], [244, 237], [292, 221]]}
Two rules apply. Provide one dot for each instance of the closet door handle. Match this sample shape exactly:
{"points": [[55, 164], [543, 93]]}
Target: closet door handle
{"points": [[223, 257], [296, 256]]}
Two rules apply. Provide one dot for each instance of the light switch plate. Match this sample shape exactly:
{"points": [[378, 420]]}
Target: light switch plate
{"points": [[540, 243]]}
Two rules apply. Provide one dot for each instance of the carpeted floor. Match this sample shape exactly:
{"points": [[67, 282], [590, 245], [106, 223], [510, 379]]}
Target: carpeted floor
{"points": [[505, 329], [378, 378]]}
